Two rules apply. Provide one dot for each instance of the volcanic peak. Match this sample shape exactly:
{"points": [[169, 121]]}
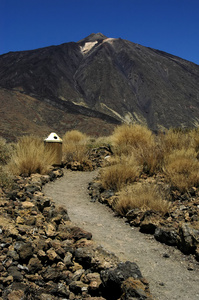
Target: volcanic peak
{"points": [[93, 37]]}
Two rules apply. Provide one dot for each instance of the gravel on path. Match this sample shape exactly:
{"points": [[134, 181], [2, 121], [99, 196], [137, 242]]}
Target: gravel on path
{"points": [[171, 275]]}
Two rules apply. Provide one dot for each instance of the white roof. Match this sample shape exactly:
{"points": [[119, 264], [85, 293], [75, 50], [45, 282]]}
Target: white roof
{"points": [[53, 137]]}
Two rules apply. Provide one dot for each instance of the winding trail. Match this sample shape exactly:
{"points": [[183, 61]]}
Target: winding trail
{"points": [[171, 275]]}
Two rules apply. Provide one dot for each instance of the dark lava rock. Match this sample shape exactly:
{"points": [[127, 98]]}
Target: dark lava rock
{"points": [[78, 233], [25, 250], [34, 265], [15, 273], [167, 236], [189, 239], [84, 257], [112, 279], [135, 289]]}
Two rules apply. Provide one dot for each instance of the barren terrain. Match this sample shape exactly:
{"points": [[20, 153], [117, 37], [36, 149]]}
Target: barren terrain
{"points": [[171, 274]]}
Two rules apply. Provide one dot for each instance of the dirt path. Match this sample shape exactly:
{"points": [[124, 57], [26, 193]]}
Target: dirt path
{"points": [[171, 275]]}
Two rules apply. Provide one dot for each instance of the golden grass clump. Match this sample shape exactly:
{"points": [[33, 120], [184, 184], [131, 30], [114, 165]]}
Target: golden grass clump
{"points": [[142, 196], [99, 142], [30, 156], [75, 146], [182, 169], [175, 140], [6, 179], [5, 151], [120, 171], [125, 137], [194, 135], [141, 141]]}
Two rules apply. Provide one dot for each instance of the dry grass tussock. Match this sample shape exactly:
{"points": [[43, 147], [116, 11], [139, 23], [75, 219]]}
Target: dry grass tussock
{"points": [[194, 135], [127, 137], [6, 179], [5, 151], [140, 141], [30, 156], [120, 171], [175, 140], [182, 169], [142, 196], [75, 146], [99, 142]]}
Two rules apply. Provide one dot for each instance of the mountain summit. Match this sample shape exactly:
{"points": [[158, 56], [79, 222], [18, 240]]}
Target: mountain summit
{"points": [[93, 37], [108, 78]]}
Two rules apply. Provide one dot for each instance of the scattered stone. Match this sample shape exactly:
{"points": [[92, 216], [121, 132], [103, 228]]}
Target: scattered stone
{"points": [[78, 233], [166, 255]]}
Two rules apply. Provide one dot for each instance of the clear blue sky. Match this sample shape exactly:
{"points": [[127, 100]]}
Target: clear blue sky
{"points": [[168, 25]]}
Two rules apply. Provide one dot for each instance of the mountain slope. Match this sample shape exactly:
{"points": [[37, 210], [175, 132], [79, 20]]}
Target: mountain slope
{"points": [[23, 114], [115, 77]]}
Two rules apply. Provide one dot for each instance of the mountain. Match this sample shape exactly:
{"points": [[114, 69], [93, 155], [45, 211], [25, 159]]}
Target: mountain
{"points": [[107, 79]]}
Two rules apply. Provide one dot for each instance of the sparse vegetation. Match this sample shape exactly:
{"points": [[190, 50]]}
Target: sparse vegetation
{"points": [[5, 151], [6, 179], [30, 156], [175, 139], [120, 171], [172, 156], [137, 152], [142, 196], [182, 169], [126, 138], [75, 146], [140, 141], [99, 142]]}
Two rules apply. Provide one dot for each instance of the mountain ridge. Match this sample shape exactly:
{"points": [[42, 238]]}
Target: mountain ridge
{"points": [[119, 79]]}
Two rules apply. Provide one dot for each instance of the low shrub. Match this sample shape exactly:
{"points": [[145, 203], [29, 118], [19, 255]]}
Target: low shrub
{"points": [[75, 146], [5, 151], [142, 196], [150, 158], [140, 141], [175, 139], [99, 142], [127, 137], [120, 171], [6, 179], [30, 156], [182, 169], [194, 135]]}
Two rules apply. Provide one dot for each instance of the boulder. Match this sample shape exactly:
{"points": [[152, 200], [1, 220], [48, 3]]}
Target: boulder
{"points": [[167, 236], [133, 289], [189, 238], [113, 278]]}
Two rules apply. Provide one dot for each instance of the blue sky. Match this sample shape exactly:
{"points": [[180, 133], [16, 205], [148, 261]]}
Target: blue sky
{"points": [[167, 25]]}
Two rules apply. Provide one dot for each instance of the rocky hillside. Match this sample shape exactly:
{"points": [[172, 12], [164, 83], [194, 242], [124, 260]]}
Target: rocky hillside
{"points": [[106, 78], [23, 114]]}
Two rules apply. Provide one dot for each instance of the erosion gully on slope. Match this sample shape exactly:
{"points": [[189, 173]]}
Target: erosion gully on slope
{"points": [[171, 274]]}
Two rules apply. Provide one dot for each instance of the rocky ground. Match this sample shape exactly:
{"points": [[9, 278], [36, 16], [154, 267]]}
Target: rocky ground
{"points": [[171, 274], [43, 255]]}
